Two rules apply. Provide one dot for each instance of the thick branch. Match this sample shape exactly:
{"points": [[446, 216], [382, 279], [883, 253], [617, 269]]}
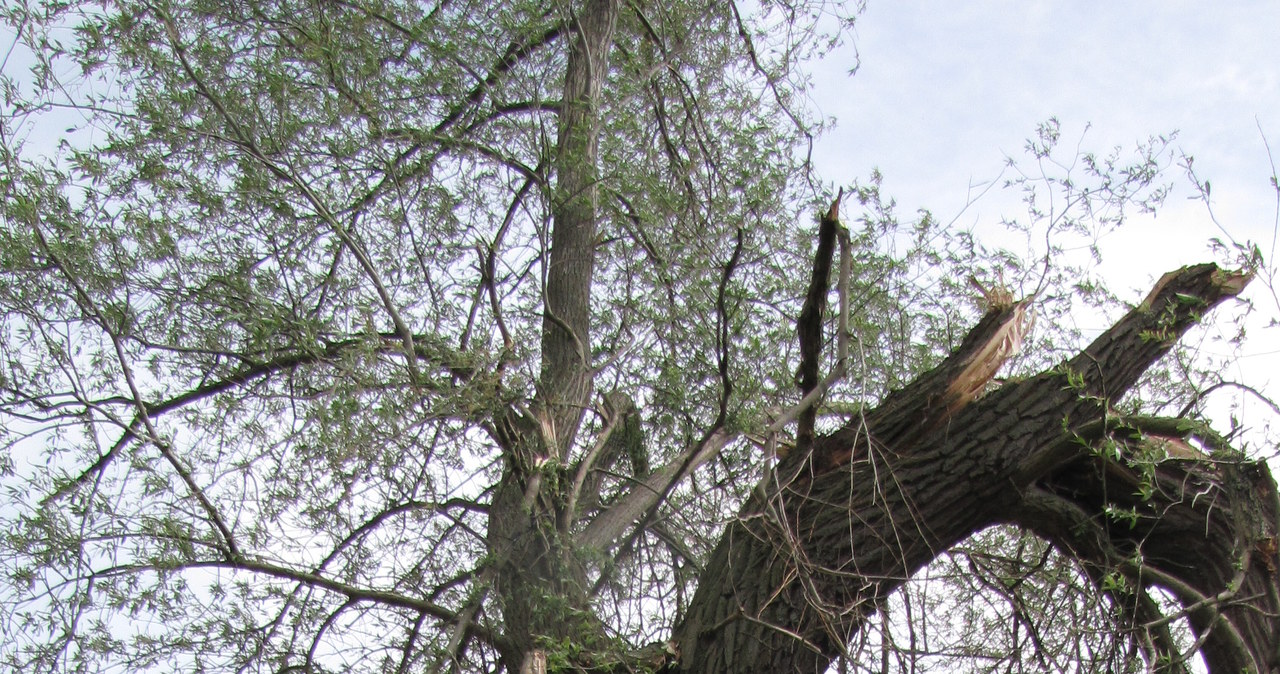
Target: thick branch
{"points": [[643, 497], [1203, 528], [1116, 359], [252, 372], [932, 398]]}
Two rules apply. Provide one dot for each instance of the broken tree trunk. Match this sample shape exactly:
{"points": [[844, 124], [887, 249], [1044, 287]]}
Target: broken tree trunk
{"points": [[822, 543]]}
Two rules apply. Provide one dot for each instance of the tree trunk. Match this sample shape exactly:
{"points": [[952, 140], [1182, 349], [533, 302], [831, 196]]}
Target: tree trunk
{"points": [[566, 327], [540, 584], [821, 545]]}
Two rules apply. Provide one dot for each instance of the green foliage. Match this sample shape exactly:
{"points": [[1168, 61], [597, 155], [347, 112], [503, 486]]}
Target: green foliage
{"points": [[201, 285], [221, 454]]}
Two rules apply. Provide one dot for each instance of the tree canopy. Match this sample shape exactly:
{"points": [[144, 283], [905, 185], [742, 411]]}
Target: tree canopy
{"points": [[367, 335]]}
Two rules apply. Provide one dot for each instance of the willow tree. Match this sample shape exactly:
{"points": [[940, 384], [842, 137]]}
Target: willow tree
{"points": [[380, 336]]}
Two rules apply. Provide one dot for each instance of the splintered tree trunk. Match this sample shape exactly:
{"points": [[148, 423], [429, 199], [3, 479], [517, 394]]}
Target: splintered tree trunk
{"points": [[821, 545]]}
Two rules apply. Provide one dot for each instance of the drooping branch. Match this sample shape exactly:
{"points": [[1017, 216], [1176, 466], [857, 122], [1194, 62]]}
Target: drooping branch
{"points": [[253, 371], [401, 172], [1202, 527], [242, 139], [1075, 531]]}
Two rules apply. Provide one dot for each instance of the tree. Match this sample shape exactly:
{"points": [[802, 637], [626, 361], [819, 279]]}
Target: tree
{"points": [[400, 337]]}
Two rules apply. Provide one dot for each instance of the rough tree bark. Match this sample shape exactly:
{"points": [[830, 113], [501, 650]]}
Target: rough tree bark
{"points": [[823, 543], [836, 527], [566, 328]]}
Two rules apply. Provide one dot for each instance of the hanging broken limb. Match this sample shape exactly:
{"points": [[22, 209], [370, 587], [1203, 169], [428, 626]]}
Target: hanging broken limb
{"points": [[809, 325]]}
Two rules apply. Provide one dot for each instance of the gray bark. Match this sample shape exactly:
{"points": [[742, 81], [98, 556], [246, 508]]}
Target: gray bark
{"points": [[539, 582], [566, 327]]}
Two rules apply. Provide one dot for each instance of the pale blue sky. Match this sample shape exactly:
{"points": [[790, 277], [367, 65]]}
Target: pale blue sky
{"points": [[947, 89]]}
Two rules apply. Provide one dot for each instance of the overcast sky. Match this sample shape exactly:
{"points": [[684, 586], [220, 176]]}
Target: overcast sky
{"points": [[946, 90]]}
